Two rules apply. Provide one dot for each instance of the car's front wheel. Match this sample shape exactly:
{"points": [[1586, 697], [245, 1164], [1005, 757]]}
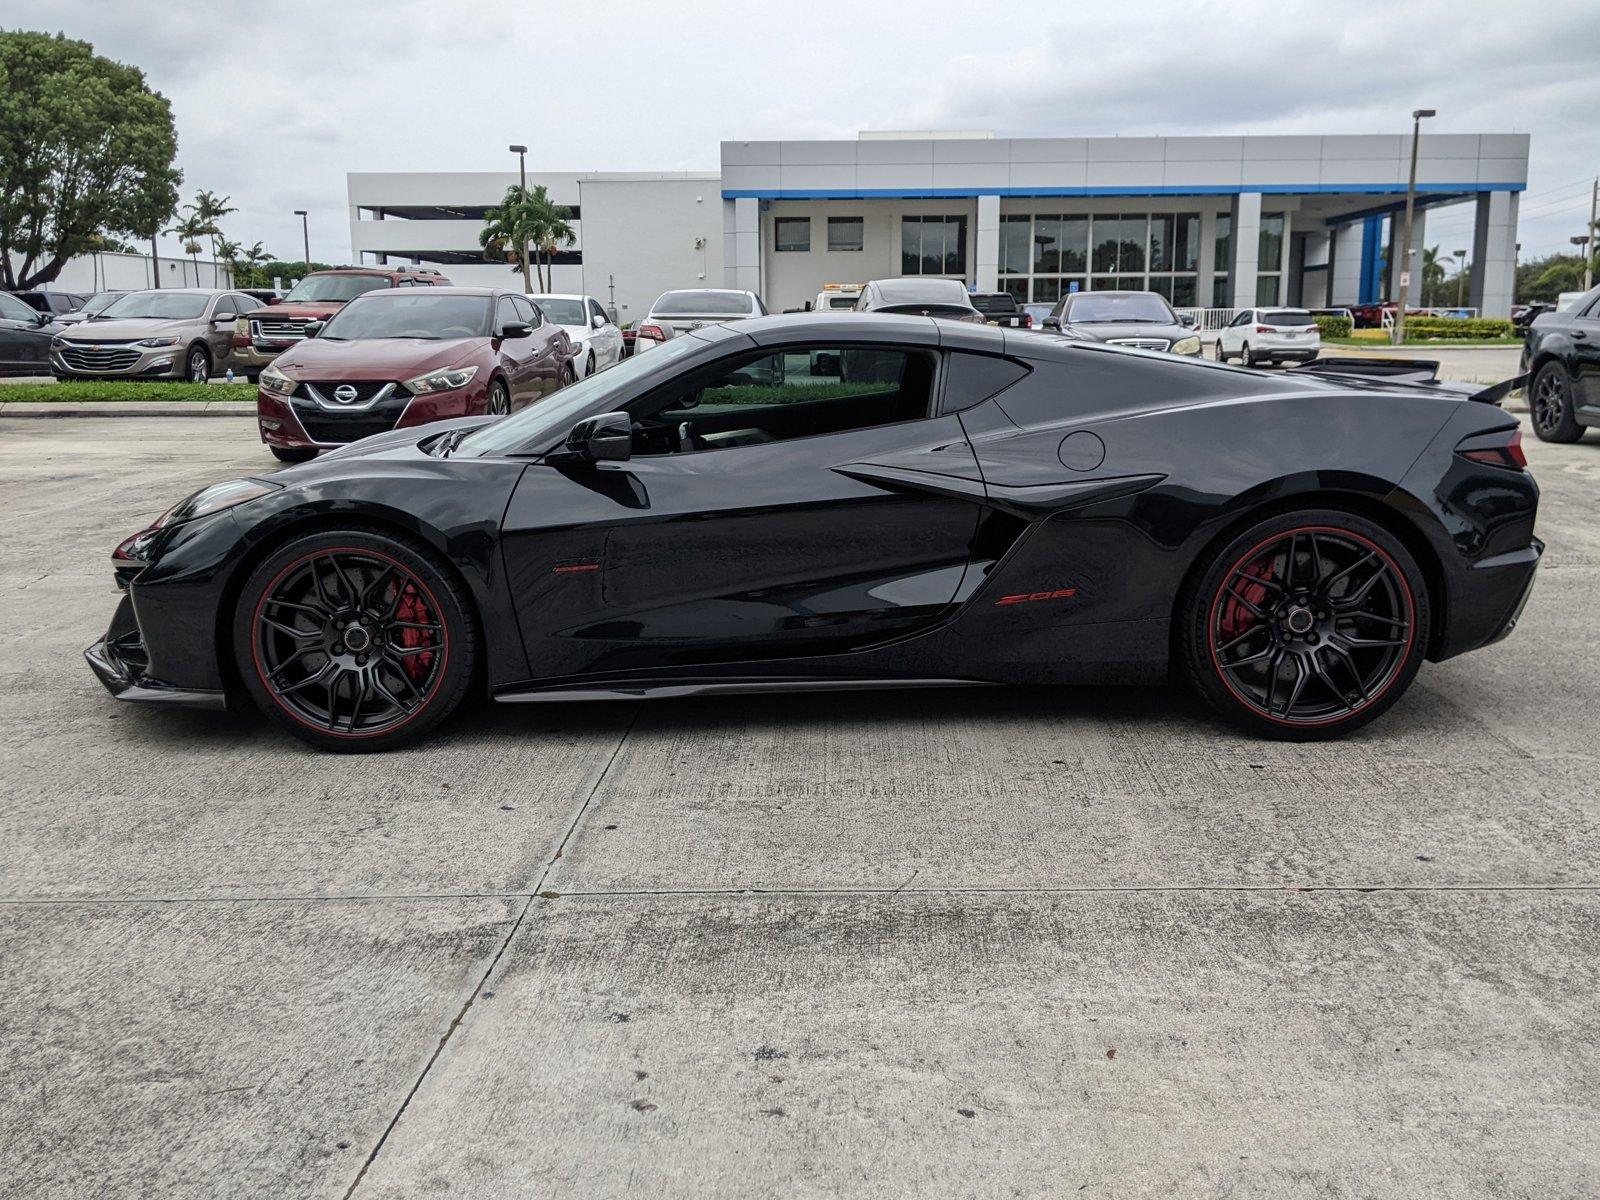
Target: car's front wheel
{"points": [[354, 640], [1222, 355], [1550, 401], [197, 366], [1306, 625], [499, 399], [569, 375]]}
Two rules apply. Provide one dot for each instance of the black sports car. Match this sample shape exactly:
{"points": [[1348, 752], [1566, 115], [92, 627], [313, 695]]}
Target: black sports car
{"points": [[803, 502], [1561, 356]]}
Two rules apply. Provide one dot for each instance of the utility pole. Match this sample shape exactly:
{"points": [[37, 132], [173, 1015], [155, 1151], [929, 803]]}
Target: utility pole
{"points": [[1594, 213], [305, 234], [522, 173], [1461, 275], [1405, 246]]}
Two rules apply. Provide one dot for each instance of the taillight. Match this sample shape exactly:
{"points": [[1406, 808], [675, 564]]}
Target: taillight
{"points": [[654, 332], [1502, 449], [1027, 320], [1266, 329]]}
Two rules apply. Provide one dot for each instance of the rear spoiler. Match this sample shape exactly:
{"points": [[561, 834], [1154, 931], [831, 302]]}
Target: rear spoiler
{"points": [[1408, 371]]}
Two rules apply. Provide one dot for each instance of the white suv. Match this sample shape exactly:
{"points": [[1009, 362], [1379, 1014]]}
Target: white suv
{"points": [[1270, 335]]}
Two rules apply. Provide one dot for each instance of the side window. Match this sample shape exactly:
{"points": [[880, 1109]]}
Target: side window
{"points": [[797, 393], [504, 313], [223, 307], [13, 309], [596, 311], [1244, 318], [527, 311], [972, 378]]}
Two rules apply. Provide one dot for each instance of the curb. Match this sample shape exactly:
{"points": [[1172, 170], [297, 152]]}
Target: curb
{"points": [[130, 408]]}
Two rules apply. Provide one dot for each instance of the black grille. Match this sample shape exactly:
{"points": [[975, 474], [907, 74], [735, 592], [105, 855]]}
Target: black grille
{"points": [[366, 389], [107, 358], [331, 426], [280, 328]]}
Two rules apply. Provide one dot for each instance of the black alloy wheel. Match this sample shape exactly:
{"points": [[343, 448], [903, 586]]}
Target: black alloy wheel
{"points": [[499, 399], [198, 365], [1307, 625], [354, 640], [1550, 400]]}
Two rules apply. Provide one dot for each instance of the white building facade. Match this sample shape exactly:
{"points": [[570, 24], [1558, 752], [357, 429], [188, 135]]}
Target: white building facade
{"points": [[1209, 222]]}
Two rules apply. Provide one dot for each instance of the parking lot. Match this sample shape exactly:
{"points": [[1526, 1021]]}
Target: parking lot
{"points": [[989, 942]]}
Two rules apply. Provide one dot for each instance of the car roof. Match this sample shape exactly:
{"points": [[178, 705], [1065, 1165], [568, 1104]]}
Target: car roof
{"points": [[786, 328], [451, 290], [903, 289]]}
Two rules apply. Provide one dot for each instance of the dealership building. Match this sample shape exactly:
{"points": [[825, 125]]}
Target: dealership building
{"points": [[1210, 222]]}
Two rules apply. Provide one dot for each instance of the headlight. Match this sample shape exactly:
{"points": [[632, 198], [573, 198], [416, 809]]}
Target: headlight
{"points": [[276, 382], [441, 381], [242, 325], [208, 500], [154, 343], [1188, 345]]}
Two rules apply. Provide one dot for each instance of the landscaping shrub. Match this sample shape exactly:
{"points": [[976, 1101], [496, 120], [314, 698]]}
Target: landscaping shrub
{"points": [[1457, 328], [1335, 327], [98, 391]]}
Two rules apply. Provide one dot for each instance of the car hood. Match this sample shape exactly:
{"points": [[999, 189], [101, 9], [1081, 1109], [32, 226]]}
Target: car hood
{"points": [[306, 310], [130, 330], [1117, 330], [375, 358]]}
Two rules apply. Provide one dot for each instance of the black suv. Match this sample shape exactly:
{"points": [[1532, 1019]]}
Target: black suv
{"points": [[1561, 357]]}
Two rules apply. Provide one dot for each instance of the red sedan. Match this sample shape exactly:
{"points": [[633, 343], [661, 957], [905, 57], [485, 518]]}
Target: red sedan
{"points": [[407, 357]]}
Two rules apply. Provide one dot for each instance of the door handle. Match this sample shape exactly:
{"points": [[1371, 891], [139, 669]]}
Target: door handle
{"points": [[1580, 335]]}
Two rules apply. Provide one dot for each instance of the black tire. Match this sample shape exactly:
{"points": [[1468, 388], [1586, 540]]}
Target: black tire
{"points": [[588, 366], [1551, 407], [499, 398], [197, 364], [416, 660], [1351, 616], [1222, 355], [569, 376], [1244, 356], [295, 455]]}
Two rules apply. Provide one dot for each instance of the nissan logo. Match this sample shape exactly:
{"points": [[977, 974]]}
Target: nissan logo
{"points": [[345, 394]]}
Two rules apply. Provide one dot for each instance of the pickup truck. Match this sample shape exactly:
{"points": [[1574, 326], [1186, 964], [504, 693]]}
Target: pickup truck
{"points": [[1001, 308]]}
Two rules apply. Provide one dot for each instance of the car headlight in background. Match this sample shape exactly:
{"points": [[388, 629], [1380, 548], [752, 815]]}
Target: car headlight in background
{"points": [[205, 502], [441, 381], [1188, 345], [157, 342], [276, 382], [242, 325]]}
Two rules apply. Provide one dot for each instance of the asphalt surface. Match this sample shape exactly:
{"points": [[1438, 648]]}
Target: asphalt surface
{"points": [[988, 943]]}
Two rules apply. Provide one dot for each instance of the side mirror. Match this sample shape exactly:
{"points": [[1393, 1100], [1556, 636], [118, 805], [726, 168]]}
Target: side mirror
{"points": [[313, 328], [597, 322], [605, 438], [516, 329], [1187, 320], [44, 318], [224, 318], [1051, 323]]}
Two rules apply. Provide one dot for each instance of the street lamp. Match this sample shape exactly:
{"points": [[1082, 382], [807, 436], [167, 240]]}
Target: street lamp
{"points": [[522, 174], [1461, 274], [305, 235], [1417, 117]]}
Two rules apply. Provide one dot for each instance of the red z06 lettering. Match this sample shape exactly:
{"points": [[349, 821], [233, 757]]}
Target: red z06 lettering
{"points": [[1030, 597]]}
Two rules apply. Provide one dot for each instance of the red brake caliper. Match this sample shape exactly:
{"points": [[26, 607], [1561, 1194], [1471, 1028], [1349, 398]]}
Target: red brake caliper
{"points": [[1236, 618], [412, 607]]}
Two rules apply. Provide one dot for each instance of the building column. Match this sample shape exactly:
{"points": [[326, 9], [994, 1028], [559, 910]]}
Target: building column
{"points": [[1245, 243], [1397, 233], [741, 244], [1206, 260], [988, 250], [1344, 267], [1494, 254]]}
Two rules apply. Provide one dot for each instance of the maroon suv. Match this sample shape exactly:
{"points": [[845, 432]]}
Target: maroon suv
{"points": [[262, 335], [403, 357]]}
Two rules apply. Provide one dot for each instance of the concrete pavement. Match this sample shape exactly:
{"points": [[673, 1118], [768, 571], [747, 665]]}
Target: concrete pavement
{"points": [[1000, 942]]}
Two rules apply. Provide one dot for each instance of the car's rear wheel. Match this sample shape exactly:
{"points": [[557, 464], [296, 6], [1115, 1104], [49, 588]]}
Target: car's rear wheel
{"points": [[197, 365], [499, 399], [1244, 355], [354, 640], [1550, 402], [292, 454], [1307, 625]]}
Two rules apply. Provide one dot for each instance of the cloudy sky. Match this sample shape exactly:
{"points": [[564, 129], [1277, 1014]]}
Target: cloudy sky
{"points": [[276, 101]]}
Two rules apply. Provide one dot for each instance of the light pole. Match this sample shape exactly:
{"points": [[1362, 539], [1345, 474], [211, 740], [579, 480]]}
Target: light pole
{"points": [[305, 235], [1461, 275], [522, 174], [1582, 243], [1417, 118], [1594, 213]]}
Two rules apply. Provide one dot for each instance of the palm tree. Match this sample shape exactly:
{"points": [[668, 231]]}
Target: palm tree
{"points": [[229, 253], [524, 218], [189, 231], [210, 208]]}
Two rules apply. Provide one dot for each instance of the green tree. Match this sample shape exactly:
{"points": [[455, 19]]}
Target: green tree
{"points": [[189, 231], [86, 149], [228, 252], [527, 218], [211, 208]]}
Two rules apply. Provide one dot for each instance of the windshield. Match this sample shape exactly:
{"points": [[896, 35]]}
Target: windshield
{"points": [[841, 302], [410, 314], [335, 288], [718, 304], [1092, 308], [98, 302], [161, 306], [1004, 302], [562, 312], [555, 416], [1285, 319]]}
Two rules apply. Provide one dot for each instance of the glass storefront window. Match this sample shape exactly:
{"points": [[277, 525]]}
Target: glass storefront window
{"points": [[1266, 289], [1047, 291], [1015, 245], [933, 245], [1224, 245], [1183, 292], [1271, 244], [1221, 293], [1017, 286]]}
